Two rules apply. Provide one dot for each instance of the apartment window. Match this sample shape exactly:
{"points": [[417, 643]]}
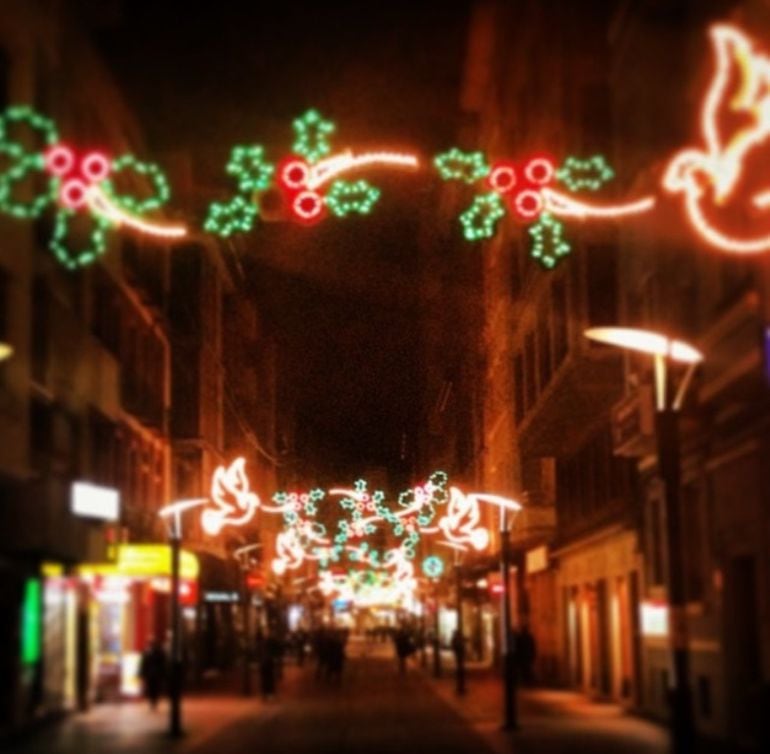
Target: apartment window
{"points": [[602, 282], [560, 323], [518, 388], [530, 367], [544, 345], [705, 705]]}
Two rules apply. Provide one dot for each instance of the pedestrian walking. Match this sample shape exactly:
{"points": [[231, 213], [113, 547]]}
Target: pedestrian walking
{"points": [[268, 661], [526, 653], [152, 671], [404, 647]]}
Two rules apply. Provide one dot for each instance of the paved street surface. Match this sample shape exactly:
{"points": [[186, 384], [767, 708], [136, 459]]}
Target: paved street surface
{"points": [[373, 710]]}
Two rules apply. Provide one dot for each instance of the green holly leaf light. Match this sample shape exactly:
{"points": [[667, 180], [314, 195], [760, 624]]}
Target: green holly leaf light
{"points": [[311, 131], [549, 244], [480, 219], [250, 169], [347, 197], [588, 174], [456, 165], [235, 216]]}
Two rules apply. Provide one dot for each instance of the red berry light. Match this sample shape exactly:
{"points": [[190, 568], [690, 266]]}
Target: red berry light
{"points": [[95, 166], [528, 204], [502, 177], [59, 160], [539, 170]]}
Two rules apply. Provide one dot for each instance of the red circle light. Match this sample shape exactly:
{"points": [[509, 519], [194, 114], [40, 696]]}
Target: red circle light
{"points": [[73, 194], [528, 204], [295, 174], [59, 160], [539, 170], [502, 178], [95, 166], [308, 205]]}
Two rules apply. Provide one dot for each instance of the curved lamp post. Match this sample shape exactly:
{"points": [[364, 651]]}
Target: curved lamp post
{"points": [[172, 516], [665, 352], [244, 557]]}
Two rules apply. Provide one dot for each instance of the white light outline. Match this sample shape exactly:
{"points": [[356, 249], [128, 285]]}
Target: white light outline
{"points": [[100, 203]]}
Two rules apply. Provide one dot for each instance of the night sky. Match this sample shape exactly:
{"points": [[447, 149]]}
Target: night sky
{"points": [[340, 298]]}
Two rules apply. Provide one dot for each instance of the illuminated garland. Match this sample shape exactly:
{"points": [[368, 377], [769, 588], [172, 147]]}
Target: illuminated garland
{"points": [[300, 179], [527, 189], [76, 185]]}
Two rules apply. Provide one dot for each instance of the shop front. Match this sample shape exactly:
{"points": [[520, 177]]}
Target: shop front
{"points": [[128, 609]]}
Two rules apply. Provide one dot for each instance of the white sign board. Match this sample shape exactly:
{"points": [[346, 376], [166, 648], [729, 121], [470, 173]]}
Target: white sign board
{"points": [[92, 501]]}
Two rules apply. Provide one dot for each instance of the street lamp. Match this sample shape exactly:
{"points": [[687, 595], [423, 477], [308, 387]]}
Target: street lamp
{"points": [[666, 351], [6, 350], [510, 717], [243, 556], [172, 515]]}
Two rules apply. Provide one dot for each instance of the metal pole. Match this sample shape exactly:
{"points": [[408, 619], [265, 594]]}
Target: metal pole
{"points": [[680, 695], [460, 648], [436, 637], [246, 607], [175, 678], [510, 717]]}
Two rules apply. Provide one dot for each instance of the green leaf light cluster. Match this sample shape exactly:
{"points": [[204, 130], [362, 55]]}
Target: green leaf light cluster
{"points": [[347, 197], [252, 174], [311, 132], [480, 219], [148, 171], [548, 242], [456, 165], [588, 174]]}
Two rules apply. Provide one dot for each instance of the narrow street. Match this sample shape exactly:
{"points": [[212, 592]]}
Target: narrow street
{"points": [[372, 710]]}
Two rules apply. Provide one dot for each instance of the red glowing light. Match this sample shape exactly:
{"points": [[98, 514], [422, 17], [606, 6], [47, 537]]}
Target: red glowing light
{"points": [[294, 174], [59, 160], [74, 194], [502, 177], [528, 204], [95, 166], [308, 206], [539, 170]]}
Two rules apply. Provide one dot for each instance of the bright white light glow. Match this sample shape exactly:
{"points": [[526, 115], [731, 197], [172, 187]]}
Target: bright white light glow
{"points": [[323, 171], [92, 501], [104, 206], [646, 341], [562, 205]]}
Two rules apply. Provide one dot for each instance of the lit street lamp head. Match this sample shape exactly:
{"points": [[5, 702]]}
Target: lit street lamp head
{"points": [[646, 341]]}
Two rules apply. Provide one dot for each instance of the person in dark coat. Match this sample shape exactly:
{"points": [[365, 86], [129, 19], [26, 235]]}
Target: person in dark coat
{"points": [[152, 671], [526, 652], [404, 647], [268, 660]]}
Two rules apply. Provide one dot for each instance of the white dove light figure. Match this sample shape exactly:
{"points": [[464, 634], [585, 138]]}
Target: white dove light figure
{"points": [[235, 503], [460, 525], [735, 124]]}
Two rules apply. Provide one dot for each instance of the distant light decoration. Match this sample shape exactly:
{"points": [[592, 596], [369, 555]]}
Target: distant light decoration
{"points": [[77, 184], [433, 566], [311, 131], [456, 165], [306, 180], [31, 622], [235, 503], [527, 189], [716, 181], [480, 219]]}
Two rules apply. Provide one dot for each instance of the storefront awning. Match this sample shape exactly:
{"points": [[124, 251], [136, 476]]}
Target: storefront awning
{"points": [[143, 560]]}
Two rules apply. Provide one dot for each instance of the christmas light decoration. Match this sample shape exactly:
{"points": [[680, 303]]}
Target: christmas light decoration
{"points": [[480, 219], [735, 125], [78, 184], [456, 165], [528, 192], [433, 566], [251, 171], [311, 131], [344, 198], [235, 216], [548, 241], [336, 165], [235, 503]]}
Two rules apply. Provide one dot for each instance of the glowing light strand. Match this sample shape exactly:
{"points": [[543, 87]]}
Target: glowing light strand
{"points": [[724, 160]]}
